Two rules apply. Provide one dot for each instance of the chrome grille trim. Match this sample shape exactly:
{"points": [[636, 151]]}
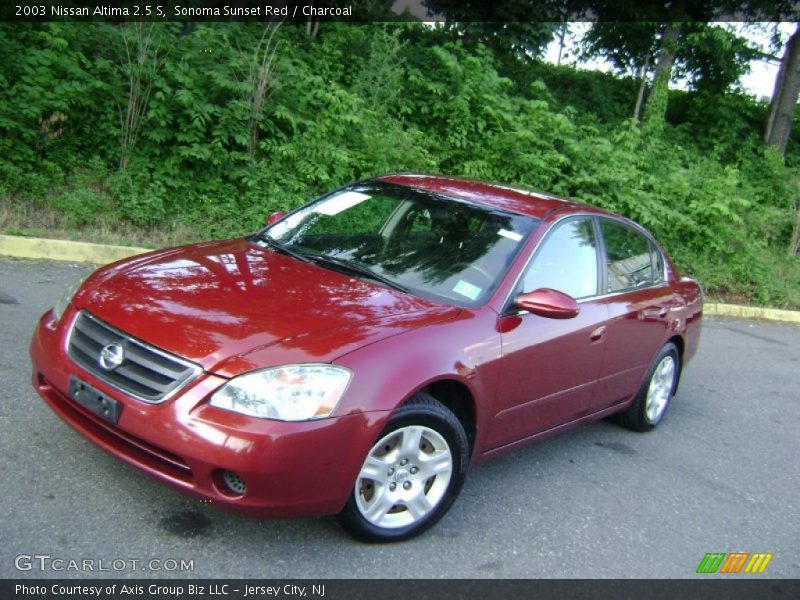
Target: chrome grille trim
{"points": [[148, 373]]}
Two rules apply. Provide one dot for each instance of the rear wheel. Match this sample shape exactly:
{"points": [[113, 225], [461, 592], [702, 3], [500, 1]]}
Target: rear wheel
{"points": [[658, 388], [411, 475]]}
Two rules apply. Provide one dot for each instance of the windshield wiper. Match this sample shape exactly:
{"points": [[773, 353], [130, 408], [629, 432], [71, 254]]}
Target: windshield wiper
{"points": [[341, 263], [281, 247], [354, 267]]}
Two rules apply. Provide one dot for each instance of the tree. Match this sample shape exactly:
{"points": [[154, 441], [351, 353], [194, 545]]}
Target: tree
{"points": [[146, 49], [784, 97], [364, 11], [711, 58], [794, 244], [629, 46], [258, 83], [520, 28], [634, 36], [656, 106]]}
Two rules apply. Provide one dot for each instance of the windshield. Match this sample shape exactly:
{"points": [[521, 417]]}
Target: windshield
{"points": [[429, 245]]}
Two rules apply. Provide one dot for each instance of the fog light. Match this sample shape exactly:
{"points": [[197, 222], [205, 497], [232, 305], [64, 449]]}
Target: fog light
{"points": [[234, 483]]}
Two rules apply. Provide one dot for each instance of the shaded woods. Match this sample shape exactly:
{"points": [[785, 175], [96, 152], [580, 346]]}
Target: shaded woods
{"points": [[203, 129]]}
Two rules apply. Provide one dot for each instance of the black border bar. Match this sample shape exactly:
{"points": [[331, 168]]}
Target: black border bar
{"points": [[367, 11], [459, 589]]}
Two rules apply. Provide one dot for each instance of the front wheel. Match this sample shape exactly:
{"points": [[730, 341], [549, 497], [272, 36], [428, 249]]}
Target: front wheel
{"points": [[411, 475]]}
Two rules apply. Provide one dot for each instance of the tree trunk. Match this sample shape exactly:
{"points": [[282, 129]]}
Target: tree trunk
{"points": [[794, 244], [561, 35], [637, 109], [312, 25], [655, 109], [784, 97]]}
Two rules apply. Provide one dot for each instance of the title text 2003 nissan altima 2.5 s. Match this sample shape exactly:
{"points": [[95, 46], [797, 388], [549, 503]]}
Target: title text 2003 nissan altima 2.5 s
{"points": [[358, 354]]}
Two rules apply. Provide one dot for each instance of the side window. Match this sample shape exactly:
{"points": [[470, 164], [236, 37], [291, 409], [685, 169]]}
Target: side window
{"points": [[629, 256], [566, 261]]}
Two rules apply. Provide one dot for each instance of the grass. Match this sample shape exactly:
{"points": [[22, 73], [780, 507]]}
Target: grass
{"points": [[28, 219]]}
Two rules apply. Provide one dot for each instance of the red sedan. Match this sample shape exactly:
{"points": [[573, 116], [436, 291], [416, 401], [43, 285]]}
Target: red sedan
{"points": [[358, 354]]}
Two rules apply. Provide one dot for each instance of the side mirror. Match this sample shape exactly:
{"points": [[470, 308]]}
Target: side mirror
{"points": [[548, 303], [276, 216]]}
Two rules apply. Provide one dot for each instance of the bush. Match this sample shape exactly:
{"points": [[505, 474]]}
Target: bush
{"points": [[80, 207], [358, 101]]}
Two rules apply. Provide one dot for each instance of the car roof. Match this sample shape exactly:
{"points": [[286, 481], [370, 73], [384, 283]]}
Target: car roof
{"points": [[526, 202]]}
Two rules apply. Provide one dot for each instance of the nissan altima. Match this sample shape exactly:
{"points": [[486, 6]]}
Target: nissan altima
{"points": [[360, 353]]}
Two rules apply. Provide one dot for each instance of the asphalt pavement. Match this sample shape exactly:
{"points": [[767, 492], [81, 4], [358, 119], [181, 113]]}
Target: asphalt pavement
{"points": [[720, 474]]}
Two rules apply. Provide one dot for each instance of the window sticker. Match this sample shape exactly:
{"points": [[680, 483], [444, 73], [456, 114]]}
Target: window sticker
{"points": [[340, 203], [467, 289], [512, 235]]}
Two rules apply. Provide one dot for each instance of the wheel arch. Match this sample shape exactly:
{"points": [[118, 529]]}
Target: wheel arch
{"points": [[680, 344], [458, 399]]}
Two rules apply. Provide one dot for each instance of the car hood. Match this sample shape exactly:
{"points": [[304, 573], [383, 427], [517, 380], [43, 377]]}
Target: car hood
{"points": [[234, 306]]}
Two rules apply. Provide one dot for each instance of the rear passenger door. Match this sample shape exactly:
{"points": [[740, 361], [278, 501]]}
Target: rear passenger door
{"points": [[639, 303]]}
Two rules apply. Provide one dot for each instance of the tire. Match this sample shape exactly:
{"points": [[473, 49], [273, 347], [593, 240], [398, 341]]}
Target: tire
{"points": [[653, 397], [411, 475]]}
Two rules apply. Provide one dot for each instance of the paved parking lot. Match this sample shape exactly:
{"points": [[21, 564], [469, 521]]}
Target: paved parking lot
{"points": [[719, 475]]}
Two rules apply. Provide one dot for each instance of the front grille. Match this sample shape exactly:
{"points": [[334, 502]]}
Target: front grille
{"points": [[146, 373]]}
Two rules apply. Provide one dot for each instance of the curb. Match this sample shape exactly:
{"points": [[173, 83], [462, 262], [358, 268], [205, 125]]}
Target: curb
{"points": [[25, 247], [751, 312]]}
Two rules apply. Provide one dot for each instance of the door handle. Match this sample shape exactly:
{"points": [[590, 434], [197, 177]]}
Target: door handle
{"points": [[654, 312], [598, 334]]}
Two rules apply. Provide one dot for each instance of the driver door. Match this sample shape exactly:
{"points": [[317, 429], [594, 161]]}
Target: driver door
{"points": [[550, 367]]}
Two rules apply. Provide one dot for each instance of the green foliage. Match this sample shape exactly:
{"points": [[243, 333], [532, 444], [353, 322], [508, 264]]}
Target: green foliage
{"points": [[656, 106], [712, 58], [80, 206], [140, 203], [511, 28], [627, 44], [356, 101]]}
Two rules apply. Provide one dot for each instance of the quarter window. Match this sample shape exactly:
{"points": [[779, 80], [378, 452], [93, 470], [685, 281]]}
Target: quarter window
{"points": [[566, 261], [629, 257], [658, 263]]}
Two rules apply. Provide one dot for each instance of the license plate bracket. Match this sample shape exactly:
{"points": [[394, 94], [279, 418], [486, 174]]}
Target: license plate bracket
{"points": [[94, 400]]}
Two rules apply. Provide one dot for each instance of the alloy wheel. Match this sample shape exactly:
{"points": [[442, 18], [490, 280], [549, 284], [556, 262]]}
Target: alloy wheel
{"points": [[660, 389], [404, 477]]}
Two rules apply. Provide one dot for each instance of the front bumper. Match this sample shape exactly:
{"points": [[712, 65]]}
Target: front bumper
{"points": [[291, 469]]}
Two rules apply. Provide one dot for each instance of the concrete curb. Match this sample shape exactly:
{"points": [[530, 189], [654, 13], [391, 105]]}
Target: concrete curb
{"points": [[100, 254], [25, 247], [750, 312]]}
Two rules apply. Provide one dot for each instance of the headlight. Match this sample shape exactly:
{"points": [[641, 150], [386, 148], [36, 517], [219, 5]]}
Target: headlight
{"points": [[289, 393], [66, 298]]}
